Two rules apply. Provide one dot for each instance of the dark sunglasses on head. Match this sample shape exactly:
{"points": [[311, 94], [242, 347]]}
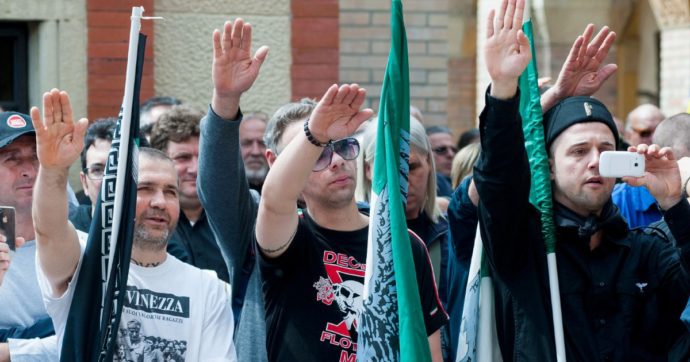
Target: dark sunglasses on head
{"points": [[444, 149], [347, 148]]}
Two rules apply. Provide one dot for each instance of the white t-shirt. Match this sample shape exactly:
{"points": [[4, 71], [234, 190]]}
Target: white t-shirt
{"points": [[171, 310]]}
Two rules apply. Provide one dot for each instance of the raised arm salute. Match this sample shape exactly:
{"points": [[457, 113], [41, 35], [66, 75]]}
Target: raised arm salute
{"points": [[622, 292], [312, 261], [222, 185], [59, 140], [200, 302], [506, 51], [336, 116]]}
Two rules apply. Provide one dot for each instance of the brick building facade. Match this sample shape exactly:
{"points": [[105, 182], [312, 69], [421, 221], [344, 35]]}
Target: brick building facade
{"points": [[315, 43]]}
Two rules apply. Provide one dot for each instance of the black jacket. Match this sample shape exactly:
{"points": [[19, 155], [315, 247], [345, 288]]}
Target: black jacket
{"points": [[620, 302]]}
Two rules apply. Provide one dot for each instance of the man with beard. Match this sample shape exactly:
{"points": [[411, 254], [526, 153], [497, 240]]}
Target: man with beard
{"points": [[170, 299], [177, 135], [253, 148]]}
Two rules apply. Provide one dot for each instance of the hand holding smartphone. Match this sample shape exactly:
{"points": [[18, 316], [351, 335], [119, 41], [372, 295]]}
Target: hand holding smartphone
{"points": [[7, 225], [621, 164]]}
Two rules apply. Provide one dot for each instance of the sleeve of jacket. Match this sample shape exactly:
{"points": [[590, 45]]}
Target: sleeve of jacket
{"points": [[677, 278], [462, 222], [502, 177], [224, 192]]}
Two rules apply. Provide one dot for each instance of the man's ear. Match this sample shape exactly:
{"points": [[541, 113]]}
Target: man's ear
{"points": [[552, 174], [270, 157], [367, 171]]}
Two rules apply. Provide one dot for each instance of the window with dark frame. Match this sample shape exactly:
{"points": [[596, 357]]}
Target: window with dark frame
{"points": [[14, 94]]}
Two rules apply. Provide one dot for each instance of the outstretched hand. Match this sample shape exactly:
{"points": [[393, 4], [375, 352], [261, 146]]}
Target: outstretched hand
{"points": [[234, 70], [59, 140], [582, 73], [507, 51], [661, 176], [338, 114]]}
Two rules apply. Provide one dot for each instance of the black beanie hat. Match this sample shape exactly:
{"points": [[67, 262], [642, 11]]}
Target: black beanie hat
{"points": [[574, 110]]}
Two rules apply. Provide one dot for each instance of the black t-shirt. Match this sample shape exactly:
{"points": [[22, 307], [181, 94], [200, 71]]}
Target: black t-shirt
{"points": [[313, 294]]}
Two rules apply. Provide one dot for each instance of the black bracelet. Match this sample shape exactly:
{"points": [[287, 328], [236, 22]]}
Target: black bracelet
{"points": [[311, 137]]}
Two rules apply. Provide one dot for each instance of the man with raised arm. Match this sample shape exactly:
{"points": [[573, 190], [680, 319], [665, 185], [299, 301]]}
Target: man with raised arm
{"points": [[222, 185], [197, 304], [312, 262], [621, 291]]}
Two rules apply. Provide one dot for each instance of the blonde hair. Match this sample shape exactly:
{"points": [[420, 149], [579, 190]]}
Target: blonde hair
{"points": [[420, 142], [463, 163]]}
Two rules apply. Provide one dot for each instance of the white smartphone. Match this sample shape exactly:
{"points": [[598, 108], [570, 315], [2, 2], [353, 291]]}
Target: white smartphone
{"points": [[621, 163]]}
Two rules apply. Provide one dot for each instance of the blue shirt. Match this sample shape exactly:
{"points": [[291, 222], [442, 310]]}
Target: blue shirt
{"points": [[636, 205]]}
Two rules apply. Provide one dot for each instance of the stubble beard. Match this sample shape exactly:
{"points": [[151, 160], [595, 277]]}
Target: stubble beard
{"points": [[145, 241]]}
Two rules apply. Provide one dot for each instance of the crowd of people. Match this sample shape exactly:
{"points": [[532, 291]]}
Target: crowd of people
{"points": [[250, 234]]}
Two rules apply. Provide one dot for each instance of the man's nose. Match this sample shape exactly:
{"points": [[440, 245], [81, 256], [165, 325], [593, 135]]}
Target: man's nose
{"points": [[29, 168], [158, 200], [257, 148]]}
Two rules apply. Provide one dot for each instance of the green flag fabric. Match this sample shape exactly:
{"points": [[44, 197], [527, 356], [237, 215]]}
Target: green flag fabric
{"points": [[530, 110], [392, 325]]}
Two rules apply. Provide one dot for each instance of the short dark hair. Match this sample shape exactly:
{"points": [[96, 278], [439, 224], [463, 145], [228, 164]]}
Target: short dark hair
{"points": [[177, 125], [467, 137], [100, 129]]}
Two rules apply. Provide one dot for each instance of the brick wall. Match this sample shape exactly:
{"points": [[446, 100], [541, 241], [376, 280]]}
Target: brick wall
{"points": [[315, 47], [461, 93], [675, 70], [108, 24], [364, 47]]}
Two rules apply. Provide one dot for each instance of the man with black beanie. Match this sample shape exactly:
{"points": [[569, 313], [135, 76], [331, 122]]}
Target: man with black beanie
{"points": [[621, 292]]}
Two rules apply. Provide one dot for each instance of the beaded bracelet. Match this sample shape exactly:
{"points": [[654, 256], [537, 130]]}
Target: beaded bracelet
{"points": [[311, 137]]}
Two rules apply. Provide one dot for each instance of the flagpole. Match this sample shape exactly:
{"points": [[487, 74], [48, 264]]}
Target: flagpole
{"points": [[530, 109], [556, 307], [125, 126]]}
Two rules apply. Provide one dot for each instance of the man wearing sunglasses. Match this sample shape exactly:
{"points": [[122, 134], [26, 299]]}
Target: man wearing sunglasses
{"points": [[312, 260], [442, 144], [641, 124]]}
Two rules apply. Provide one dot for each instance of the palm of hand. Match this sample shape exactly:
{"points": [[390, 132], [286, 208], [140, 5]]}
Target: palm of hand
{"points": [[506, 47], [232, 71], [583, 82], [58, 145]]}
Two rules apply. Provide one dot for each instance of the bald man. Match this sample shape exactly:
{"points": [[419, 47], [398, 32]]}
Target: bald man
{"points": [[642, 123]]}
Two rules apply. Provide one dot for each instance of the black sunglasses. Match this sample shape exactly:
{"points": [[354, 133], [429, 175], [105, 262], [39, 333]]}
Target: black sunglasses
{"points": [[644, 133], [443, 149], [347, 148]]}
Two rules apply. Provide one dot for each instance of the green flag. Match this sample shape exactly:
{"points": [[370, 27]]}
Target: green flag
{"points": [[540, 191], [392, 325], [530, 110]]}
